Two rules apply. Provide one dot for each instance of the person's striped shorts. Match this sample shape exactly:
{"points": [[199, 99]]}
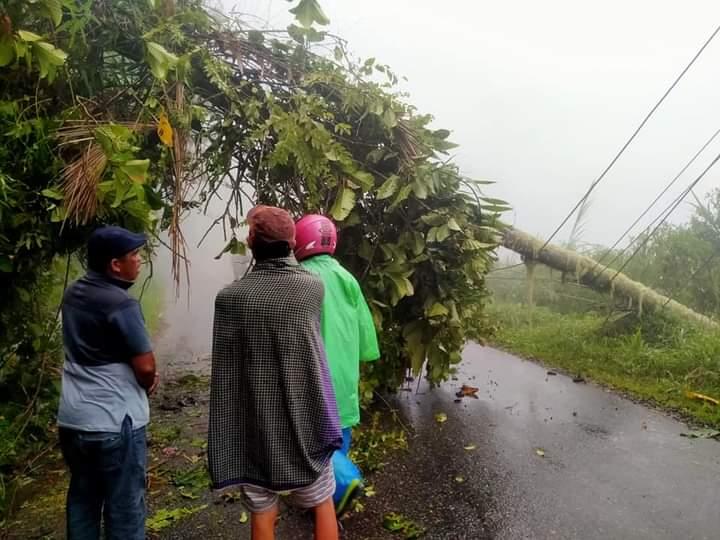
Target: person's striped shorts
{"points": [[258, 499]]}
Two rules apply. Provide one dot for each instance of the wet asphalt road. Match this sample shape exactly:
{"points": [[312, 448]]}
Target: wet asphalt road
{"points": [[611, 468]]}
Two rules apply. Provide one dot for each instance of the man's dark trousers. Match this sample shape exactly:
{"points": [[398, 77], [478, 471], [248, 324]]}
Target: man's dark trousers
{"points": [[107, 480]]}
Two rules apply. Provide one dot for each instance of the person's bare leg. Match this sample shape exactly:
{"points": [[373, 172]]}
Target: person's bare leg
{"points": [[326, 527], [263, 524]]}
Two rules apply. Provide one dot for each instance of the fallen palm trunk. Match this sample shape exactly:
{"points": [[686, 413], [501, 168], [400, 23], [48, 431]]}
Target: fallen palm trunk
{"points": [[596, 276]]}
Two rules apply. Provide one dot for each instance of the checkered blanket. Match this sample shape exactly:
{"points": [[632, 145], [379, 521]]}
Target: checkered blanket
{"points": [[273, 416]]}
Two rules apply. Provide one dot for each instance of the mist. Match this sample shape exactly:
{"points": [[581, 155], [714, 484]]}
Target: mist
{"points": [[541, 95]]}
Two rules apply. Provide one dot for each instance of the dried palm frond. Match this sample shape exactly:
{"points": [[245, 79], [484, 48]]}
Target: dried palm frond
{"points": [[410, 146], [79, 131], [79, 179], [79, 182]]}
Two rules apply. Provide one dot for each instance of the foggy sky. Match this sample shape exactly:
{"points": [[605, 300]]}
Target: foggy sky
{"points": [[541, 95]]}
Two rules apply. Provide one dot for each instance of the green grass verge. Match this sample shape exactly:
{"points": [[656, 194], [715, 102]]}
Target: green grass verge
{"points": [[654, 360]]}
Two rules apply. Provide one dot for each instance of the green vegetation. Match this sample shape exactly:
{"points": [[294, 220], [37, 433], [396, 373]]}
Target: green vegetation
{"points": [[652, 356], [653, 359], [166, 517], [186, 100], [375, 441], [134, 112], [402, 526]]}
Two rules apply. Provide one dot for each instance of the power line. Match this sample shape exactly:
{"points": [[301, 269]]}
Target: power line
{"points": [[632, 137], [651, 205], [677, 202], [506, 267]]}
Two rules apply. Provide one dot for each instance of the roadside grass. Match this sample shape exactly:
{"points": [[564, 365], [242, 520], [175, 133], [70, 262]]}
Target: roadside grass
{"points": [[652, 358]]}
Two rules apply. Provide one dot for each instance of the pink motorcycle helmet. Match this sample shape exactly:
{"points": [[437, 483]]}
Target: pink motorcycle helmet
{"points": [[314, 234]]}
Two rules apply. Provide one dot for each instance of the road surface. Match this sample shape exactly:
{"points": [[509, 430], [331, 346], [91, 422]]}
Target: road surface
{"points": [[609, 468]]}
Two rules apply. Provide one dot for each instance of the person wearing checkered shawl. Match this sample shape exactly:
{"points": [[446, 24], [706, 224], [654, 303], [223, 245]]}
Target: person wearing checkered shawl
{"points": [[273, 416]]}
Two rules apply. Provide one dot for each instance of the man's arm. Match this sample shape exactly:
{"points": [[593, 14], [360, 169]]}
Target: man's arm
{"points": [[145, 372], [131, 325]]}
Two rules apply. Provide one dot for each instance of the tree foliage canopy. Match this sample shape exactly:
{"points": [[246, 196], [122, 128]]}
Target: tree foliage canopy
{"points": [[137, 111]]}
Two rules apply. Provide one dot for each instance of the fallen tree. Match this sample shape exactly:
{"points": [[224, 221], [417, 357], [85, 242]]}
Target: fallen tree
{"points": [[134, 112], [590, 273]]}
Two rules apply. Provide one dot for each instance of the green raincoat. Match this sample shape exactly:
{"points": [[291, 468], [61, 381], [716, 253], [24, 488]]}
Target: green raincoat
{"points": [[348, 332]]}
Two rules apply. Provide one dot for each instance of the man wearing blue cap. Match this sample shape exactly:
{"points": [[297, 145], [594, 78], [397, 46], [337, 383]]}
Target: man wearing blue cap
{"points": [[108, 373]]}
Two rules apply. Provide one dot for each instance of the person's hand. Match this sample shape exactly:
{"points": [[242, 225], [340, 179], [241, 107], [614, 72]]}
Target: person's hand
{"points": [[154, 386]]}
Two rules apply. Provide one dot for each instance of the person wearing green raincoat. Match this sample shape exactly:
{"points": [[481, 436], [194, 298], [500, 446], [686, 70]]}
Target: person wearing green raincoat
{"points": [[347, 328]]}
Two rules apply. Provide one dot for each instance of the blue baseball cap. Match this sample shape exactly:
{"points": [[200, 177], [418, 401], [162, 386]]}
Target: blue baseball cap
{"points": [[111, 242]]}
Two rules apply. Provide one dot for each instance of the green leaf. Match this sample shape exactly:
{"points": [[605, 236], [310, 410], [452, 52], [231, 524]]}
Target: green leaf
{"points": [[389, 187], [49, 58], [441, 133], [437, 310], [58, 214], [136, 169], [498, 202], [496, 209], [453, 225], [374, 156], [473, 245], [418, 243], [308, 12], [415, 344], [365, 250], [442, 233], [160, 60], [420, 189], [152, 197], [120, 193], [435, 219], [403, 285], [234, 247], [377, 107], [52, 194], [352, 220], [29, 37], [389, 118], [296, 33], [365, 179], [7, 50], [6, 265], [22, 51], [164, 517], [344, 203], [338, 52], [313, 36], [402, 196], [52, 9]]}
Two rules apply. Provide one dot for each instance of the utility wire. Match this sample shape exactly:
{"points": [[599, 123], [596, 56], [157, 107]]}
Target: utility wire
{"points": [[632, 137], [506, 267], [650, 207], [676, 203]]}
